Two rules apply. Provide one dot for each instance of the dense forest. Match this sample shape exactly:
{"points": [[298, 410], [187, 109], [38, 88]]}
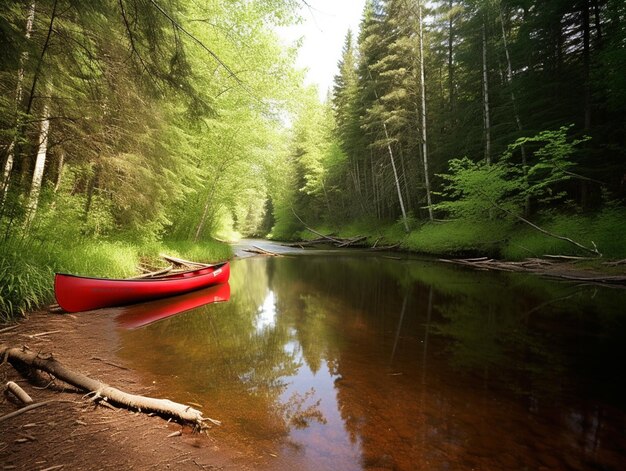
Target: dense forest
{"points": [[472, 125], [128, 127]]}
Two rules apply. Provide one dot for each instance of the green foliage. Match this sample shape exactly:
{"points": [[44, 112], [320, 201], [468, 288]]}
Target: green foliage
{"points": [[474, 189], [208, 251], [152, 136], [481, 190], [551, 164], [517, 69]]}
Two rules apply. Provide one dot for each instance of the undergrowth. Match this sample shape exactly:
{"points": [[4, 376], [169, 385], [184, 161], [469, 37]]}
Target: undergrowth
{"points": [[502, 238]]}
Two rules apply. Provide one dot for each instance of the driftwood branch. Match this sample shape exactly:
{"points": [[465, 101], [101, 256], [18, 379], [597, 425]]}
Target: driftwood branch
{"points": [[153, 274], [180, 261], [19, 393], [102, 391], [541, 267], [332, 239], [29, 407], [615, 263], [258, 250]]}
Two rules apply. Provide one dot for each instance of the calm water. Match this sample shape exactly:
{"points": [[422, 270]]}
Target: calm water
{"points": [[357, 362]]}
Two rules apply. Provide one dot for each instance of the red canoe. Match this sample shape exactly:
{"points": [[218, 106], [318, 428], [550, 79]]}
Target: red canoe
{"points": [[78, 293]]}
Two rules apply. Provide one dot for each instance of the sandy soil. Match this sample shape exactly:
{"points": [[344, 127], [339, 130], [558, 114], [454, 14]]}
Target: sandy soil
{"points": [[79, 435]]}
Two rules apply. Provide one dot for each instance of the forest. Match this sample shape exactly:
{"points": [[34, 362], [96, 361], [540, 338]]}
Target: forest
{"points": [[471, 126], [132, 127]]}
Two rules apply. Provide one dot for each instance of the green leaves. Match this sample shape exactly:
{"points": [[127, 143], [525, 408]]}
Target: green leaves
{"points": [[475, 189]]}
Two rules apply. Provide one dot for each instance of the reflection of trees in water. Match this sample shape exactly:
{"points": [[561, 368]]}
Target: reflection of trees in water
{"points": [[389, 333], [220, 357]]}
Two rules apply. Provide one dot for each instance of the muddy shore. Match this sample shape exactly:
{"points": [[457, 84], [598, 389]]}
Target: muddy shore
{"points": [[80, 435]]}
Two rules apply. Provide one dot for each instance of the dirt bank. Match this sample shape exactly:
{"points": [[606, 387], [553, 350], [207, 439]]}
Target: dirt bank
{"points": [[79, 435]]}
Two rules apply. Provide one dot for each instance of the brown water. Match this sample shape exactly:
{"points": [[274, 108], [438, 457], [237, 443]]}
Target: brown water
{"points": [[357, 362]]}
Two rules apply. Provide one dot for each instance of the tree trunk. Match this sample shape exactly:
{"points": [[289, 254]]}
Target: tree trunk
{"points": [[423, 112], [587, 63], [19, 92], [518, 121], [393, 166], [486, 117], [451, 89], [407, 193], [395, 176], [60, 169], [598, 22], [203, 218], [46, 44], [90, 190], [374, 185], [40, 163]]}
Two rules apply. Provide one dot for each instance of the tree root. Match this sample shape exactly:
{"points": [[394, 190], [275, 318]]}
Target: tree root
{"points": [[104, 392]]}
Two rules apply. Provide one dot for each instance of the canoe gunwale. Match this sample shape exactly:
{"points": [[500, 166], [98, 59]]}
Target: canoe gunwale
{"points": [[170, 277]]}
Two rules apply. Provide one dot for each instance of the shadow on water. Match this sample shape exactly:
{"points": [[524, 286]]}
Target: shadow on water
{"points": [[358, 362]]}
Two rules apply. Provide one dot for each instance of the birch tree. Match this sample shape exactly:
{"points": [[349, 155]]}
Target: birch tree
{"points": [[485, 80], [40, 163], [423, 112], [19, 92]]}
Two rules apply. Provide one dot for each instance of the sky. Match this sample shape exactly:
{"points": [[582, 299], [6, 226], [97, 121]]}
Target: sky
{"points": [[323, 31]]}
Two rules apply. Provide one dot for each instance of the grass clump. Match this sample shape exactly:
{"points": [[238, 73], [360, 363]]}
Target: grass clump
{"points": [[459, 237], [207, 251], [23, 285]]}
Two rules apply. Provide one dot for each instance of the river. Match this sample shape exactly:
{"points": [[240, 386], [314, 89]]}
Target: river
{"points": [[355, 361]]}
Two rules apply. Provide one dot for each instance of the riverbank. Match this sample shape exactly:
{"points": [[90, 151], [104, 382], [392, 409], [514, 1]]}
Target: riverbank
{"points": [[505, 241], [73, 433], [78, 434]]}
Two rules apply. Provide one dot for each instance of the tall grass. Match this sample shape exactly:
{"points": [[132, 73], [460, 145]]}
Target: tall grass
{"points": [[27, 267], [460, 237], [207, 251]]}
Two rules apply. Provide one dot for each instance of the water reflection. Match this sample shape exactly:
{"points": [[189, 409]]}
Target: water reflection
{"points": [[139, 315], [350, 362], [266, 316]]}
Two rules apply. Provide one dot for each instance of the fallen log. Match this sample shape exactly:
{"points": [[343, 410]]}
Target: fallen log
{"points": [[104, 392], [307, 243], [352, 241], [262, 251], [540, 267], [332, 239], [615, 263]]}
